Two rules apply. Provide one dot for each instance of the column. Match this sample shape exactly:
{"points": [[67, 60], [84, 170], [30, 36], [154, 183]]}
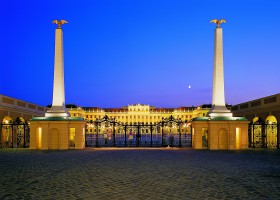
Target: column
{"points": [[58, 108], [218, 96]]}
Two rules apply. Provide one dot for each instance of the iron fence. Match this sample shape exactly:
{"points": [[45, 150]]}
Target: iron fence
{"points": [[168, 132], [14, 135], [110, 133], [263, 135]]}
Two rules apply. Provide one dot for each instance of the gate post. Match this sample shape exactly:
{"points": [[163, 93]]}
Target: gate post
{"points": [[96, 135], [125, 142], [253, 136], [162, 124], [138, 135], [12, 126], [264, 141], [191, 136], [27, 140], [23, 135], [249, 134], [114, 133], [151, 129], [180, 143]]}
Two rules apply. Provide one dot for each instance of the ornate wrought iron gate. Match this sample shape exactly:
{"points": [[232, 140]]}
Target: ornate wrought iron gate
{"points": [[262, 135], [14, 135], [110, 133]]}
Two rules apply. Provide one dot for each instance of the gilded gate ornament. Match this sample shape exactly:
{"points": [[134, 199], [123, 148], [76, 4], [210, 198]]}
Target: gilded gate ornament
{"points": [[218, 22], [59, 23]]}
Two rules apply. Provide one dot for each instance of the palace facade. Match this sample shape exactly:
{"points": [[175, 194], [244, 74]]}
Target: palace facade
{"points": [[137, 113]]}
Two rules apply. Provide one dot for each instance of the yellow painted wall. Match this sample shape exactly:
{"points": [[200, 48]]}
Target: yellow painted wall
{"points": [[55, 134]]}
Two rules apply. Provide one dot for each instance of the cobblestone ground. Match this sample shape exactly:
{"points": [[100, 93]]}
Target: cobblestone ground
{"points": [[139, 174]]}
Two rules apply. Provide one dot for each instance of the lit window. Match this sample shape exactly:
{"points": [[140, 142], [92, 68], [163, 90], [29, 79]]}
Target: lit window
{"points": [[72, 137]]}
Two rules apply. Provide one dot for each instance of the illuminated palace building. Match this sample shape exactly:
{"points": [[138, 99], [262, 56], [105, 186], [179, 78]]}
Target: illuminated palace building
{"points": [[138, 125], [136, 114]]}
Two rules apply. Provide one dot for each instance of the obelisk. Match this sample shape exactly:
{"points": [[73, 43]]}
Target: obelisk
{"points": [[218, 108], [58, 108]]}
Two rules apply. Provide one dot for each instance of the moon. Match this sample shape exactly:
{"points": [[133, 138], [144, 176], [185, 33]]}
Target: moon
{"points": [[189, 86]]}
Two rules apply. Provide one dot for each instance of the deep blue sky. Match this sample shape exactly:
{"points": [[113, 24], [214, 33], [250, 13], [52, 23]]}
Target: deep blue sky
{"points": [[139, 51]]}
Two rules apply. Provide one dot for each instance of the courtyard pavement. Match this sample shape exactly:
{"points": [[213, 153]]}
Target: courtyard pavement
{"points": [[139, 174]]}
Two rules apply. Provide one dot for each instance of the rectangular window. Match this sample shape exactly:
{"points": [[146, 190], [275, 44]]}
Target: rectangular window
{"points": [[237, 138], [39, 138], [72, 137], [205, 137]]}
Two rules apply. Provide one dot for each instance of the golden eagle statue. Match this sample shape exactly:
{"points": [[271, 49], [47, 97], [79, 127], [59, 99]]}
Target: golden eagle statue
{"points": [[218, 22], [59, 23]]}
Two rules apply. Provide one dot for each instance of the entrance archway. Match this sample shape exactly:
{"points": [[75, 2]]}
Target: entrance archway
{"points": [[7, 132], [53, 139], [271, 131], [223, 139]]}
